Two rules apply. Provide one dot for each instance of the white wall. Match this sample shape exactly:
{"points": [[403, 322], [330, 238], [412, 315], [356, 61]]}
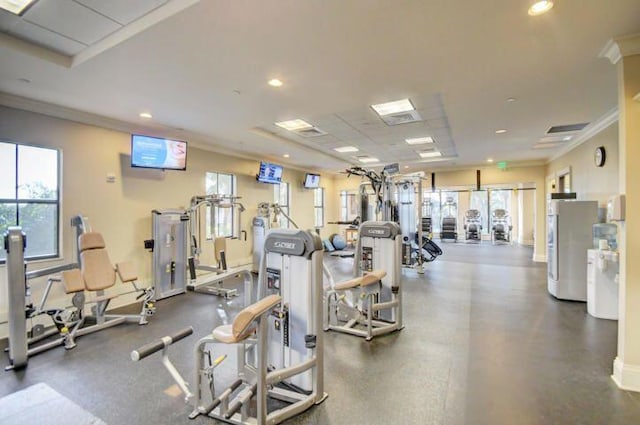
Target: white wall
{"points": [[121, 211]]}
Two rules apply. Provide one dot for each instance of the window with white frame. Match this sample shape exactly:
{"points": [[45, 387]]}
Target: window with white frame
{"points": [[30, 197], [222, 224], [281, 197], [348, 206], [318, 206]]}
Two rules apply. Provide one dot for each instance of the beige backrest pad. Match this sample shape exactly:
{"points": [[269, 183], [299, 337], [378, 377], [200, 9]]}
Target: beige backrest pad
{"points": [[97, 270], [90, 240], [244, 319]]}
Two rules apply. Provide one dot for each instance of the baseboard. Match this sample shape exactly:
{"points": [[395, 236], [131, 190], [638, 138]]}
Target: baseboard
{"points": [[539, 258], [626, 377]]}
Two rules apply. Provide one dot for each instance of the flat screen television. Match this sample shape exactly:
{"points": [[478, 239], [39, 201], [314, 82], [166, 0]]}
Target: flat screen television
{"points": [[312, 181], [154, 152], [269, 173]]}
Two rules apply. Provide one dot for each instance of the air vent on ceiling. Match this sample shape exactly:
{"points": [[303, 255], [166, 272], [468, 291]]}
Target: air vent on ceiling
{"points": [[401, 118], [310, 132], [561, 138], [546, 145], [567, 128]]}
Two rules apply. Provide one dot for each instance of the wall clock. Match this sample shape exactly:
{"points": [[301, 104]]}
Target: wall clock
{"points": [[600, 156]]}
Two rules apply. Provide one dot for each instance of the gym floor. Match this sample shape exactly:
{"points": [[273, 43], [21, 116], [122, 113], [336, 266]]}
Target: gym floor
{"points": [[484, 343]]}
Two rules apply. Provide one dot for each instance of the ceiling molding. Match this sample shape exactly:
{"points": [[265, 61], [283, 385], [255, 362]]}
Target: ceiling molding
{"points": [[34, 50], [619, 47], [593, 129], [150, 19]]}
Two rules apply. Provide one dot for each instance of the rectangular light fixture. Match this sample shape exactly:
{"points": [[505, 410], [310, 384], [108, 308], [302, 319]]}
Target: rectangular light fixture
{"points": [[345, 149], [430, 154], [395, 107], [368, 159], [16, 6], [294, 125], [419, 140]]}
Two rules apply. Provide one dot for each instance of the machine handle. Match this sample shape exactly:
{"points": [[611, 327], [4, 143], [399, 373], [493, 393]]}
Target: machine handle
{"points": [[157, 345]]}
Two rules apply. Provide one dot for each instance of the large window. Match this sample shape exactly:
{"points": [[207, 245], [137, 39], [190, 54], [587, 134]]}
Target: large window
{"points": [[281, 197], [480, 201], [222, 224], [318, 207], [348, 206], [29, 197], [500, 199]]}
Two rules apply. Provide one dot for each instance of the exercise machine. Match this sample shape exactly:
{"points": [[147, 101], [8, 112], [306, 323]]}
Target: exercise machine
{"points": [[279, 341], [92, 274], [211, 279], [370, 304], [169, 247], [500, 226], [473, 225], [449, 228]]}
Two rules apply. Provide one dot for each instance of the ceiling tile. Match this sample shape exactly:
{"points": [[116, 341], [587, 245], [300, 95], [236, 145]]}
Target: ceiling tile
{"points": [[123, 11], [35, 34]]}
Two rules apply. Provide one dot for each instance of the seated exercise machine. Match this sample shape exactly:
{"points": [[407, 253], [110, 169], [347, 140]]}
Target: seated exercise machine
{"points": [[370, 304], [473, 225], [211, 279], [279, 341], [501, 226], [94, 276]]}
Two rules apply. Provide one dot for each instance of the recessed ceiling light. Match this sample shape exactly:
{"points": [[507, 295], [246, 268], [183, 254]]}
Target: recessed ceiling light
{"points": [[286, 155], [511, 99], [294, 125], [567, 138], [540, 7], [394, 107], [431, 154], [275, 82], [501, 131], [419, 140], [16, 7], [489, 160], [345, 149], [368, 159], [146, 115]]}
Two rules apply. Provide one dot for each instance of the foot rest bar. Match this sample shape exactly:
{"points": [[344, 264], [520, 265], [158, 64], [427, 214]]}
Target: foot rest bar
{"points": [[242, 399], [226, 393], [152, 347], [384, 306]]}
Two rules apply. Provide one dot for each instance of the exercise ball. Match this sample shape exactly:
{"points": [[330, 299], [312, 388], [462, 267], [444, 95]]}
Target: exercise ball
{"points": [[339, 242]]}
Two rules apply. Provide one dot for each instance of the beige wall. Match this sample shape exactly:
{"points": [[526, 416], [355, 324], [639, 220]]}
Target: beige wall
{"points": [[121, 211], [591, 183]]}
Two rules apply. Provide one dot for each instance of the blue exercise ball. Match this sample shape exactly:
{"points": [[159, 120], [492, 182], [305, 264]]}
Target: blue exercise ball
{"points": [[339, 242]]}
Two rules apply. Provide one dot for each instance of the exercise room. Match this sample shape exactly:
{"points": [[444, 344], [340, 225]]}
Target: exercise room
{"points": [[337, 212]]}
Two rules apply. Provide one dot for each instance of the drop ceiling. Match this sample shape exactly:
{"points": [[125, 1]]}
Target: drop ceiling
{"points": [[202, 71]]}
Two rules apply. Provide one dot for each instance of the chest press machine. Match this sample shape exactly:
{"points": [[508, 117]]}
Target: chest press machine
{"points": [[279, 341], [370, 304]]}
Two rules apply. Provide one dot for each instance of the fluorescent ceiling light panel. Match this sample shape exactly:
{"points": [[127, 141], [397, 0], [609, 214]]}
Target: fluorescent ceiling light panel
{"points": [[432, 154], [345, 149], [16, 6], [395, 107], [419, 140], [368, 159], [294, 125]]}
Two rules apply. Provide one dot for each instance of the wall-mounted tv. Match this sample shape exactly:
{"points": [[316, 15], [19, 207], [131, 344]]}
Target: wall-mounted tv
{"points": [[311, 181], [154, 152], [269, 173]]}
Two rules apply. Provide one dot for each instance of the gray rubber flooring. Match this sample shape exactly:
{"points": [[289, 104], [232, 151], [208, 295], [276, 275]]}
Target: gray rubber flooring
{"points": [[483, 344]]}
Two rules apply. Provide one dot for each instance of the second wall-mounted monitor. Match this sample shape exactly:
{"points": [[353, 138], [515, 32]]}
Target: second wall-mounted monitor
{"points": [[311, 181]]}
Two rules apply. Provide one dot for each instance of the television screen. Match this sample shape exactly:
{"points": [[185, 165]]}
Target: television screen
{"points": [[270, 173], [312, 181], [153, 152]]}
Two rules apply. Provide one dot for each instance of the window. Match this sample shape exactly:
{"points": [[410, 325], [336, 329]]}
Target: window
{"points": [[223, 224], [431, 208], [29, 197], [500, 199], [318, 206], [281, 197], [348, 206]]}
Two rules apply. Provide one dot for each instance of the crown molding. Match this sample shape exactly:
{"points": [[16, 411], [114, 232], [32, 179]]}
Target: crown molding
{"points": [[593, 129], [619, 47]]}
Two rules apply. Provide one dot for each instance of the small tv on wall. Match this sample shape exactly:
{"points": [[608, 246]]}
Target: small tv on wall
{"points": [[154, 152], [311, 181], [269, 173]]}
